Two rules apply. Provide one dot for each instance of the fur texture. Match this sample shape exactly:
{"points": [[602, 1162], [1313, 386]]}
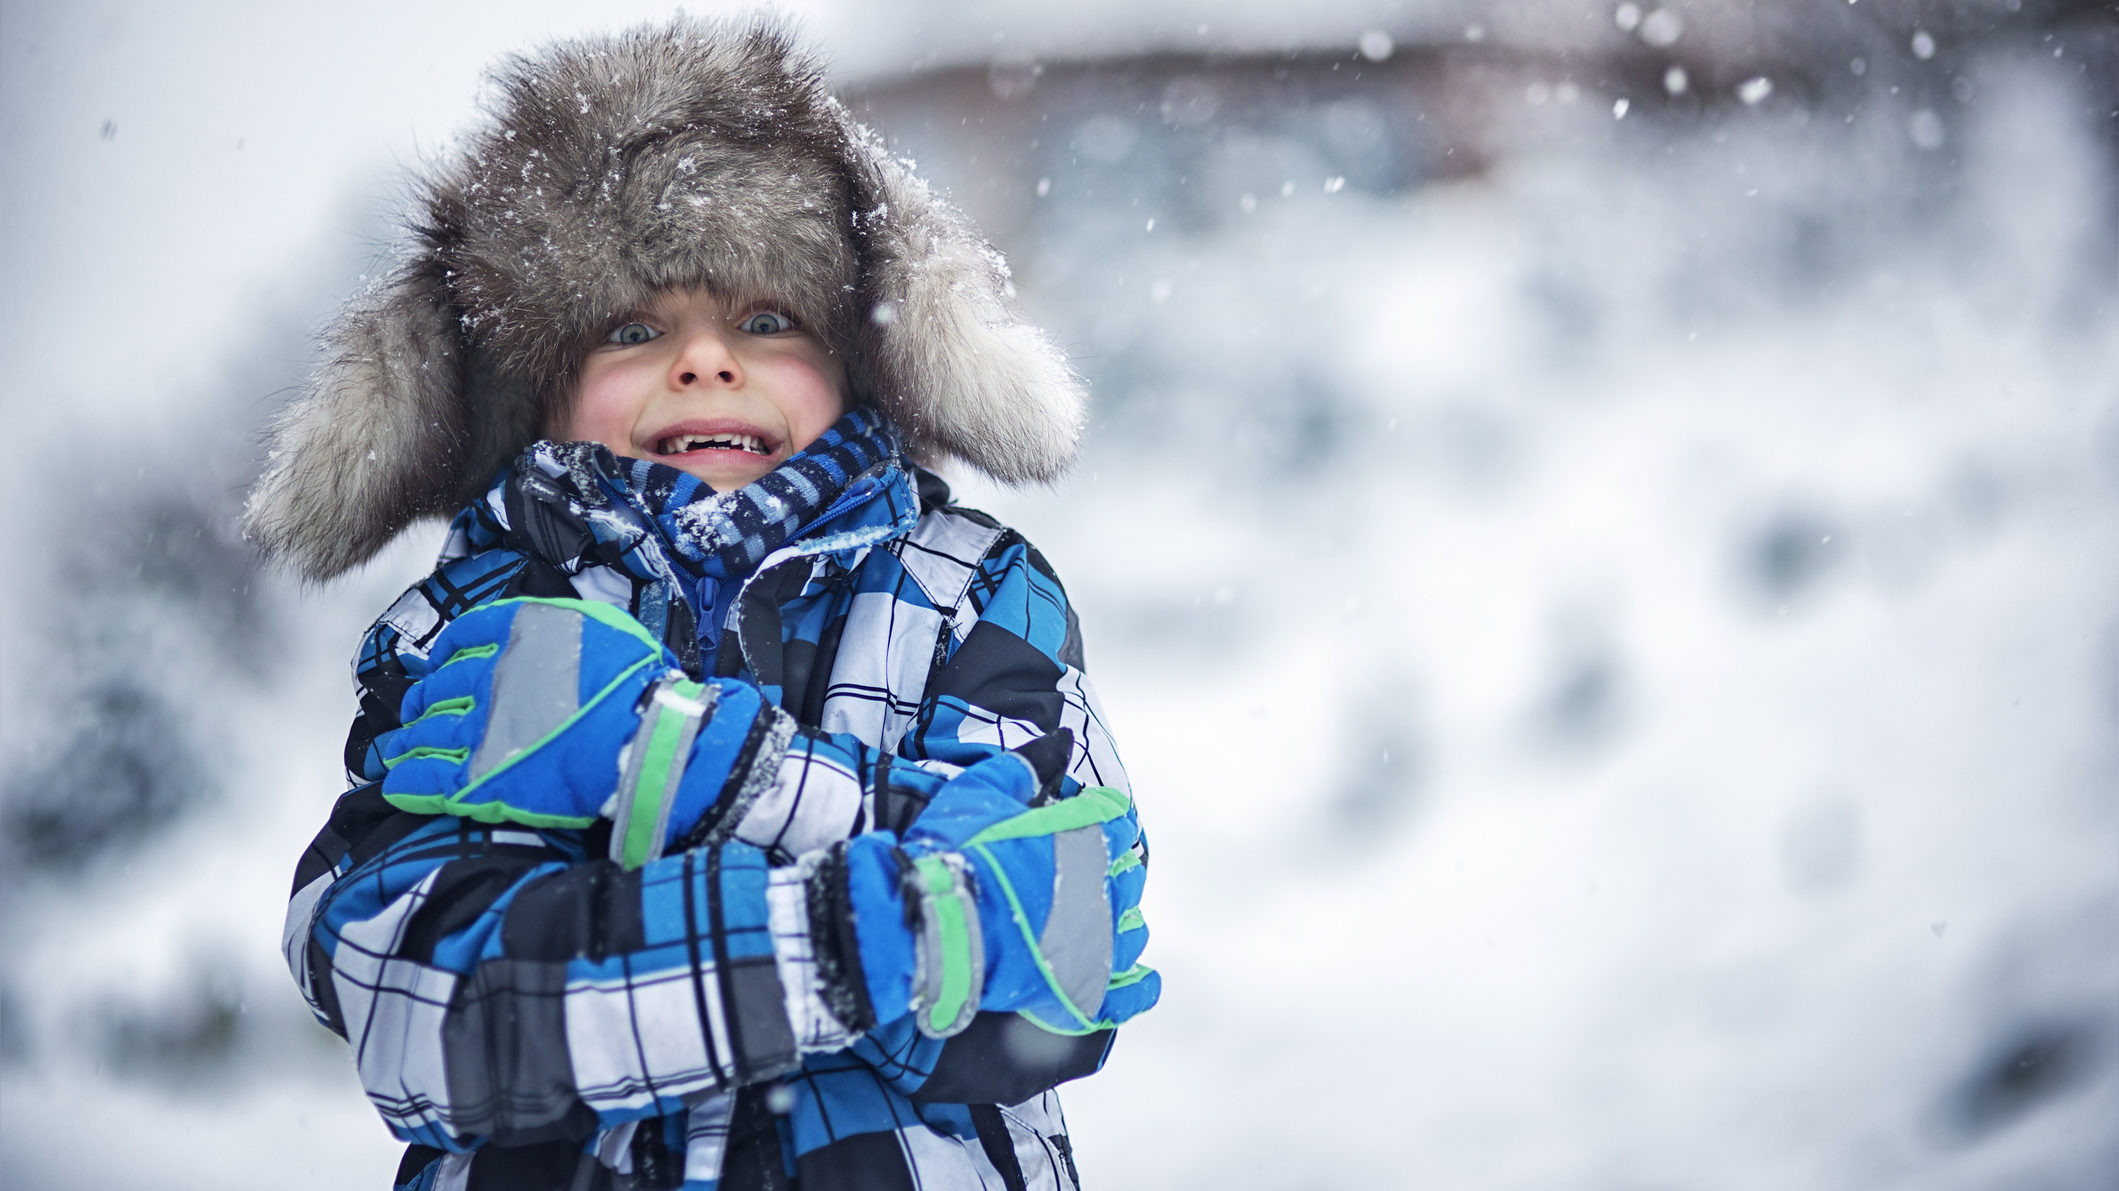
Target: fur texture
{"points": [[688, 154]]}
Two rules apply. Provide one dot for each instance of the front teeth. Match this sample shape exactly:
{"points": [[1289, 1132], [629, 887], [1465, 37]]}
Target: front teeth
{"points": [[677, 444]]}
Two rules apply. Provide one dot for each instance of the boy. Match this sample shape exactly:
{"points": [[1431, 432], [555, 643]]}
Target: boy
{"points": [[729, 809]]}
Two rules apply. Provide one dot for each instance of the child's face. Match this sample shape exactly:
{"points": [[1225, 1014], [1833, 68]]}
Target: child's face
{"points": [[725, 392]]}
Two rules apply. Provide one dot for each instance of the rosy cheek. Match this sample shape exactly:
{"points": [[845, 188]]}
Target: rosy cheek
{"points": [[599, 408]]}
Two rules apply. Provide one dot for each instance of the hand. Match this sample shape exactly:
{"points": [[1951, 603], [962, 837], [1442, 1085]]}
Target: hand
{"points": [[989, 902], [521, 717], [553, 712]]}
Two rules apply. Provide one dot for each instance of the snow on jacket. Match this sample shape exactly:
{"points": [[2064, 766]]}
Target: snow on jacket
{"points": [[528, 1014]]}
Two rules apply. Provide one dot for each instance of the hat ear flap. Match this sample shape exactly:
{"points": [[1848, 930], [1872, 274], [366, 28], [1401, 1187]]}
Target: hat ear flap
{"points": [[375, 440], [955, 368]]}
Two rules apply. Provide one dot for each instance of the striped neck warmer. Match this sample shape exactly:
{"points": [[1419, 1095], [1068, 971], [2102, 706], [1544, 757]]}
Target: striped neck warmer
{"points": [[576, 504]]}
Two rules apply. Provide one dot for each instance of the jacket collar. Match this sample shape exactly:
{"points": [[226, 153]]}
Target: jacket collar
{"points": [[577, 505]]}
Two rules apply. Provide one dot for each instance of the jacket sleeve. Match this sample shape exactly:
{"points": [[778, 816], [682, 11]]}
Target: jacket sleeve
{"points": [[501, 984], [999, 658], [506, 985]]}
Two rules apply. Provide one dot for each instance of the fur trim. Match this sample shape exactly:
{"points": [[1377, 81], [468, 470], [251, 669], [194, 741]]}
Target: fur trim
{"points": [[689, 154], [376, 439]]}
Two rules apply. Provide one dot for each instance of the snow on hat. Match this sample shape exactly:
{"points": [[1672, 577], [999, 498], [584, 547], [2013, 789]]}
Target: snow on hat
{"points": [[696, 154]]}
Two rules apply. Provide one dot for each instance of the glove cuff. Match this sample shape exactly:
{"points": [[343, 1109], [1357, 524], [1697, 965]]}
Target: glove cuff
{"points": [[917, 933], [834, 947], [701, 753], [672, 709], [950, 957]]}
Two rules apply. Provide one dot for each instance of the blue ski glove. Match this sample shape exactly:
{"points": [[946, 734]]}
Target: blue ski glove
{"points": [[990, 902], [553, 712]]}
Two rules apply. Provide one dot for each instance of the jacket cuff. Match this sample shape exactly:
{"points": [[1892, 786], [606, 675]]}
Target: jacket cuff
{"points": [[812, 797], [806, 954], [841, 979]]}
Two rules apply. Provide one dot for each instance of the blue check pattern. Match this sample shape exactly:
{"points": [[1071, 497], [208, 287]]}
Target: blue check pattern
{"points": [[522, 1010]]}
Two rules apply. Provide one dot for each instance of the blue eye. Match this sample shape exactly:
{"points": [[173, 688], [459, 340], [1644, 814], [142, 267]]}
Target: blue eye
{"points": [[633, 334], [767, 322]]}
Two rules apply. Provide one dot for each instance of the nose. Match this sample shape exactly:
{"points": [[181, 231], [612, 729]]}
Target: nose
{"points": [[706, 357]]}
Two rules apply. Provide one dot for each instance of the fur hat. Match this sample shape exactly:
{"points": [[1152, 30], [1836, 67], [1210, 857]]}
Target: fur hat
{"points": [[689, 154]]}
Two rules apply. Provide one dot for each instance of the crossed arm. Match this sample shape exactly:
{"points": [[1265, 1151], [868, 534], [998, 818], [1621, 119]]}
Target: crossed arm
{"points": [[511, 983]]}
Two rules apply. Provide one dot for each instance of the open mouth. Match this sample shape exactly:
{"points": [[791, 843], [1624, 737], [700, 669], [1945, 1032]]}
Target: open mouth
{"points": [[680, 444]]}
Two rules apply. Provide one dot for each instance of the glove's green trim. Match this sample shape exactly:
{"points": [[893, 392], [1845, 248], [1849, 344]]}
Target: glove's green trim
{"points": [[501, 812], [1131, 920], [457, 706], [999, 877], [485, 812], [1131, 976], [1095, 804], [642, 829], [938, 885], [1067, 1031], [459, 756], [587, 705], [1126, 863]]}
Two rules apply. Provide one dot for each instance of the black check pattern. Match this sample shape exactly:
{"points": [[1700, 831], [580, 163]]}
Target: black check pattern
{"points": [[505, 987]]}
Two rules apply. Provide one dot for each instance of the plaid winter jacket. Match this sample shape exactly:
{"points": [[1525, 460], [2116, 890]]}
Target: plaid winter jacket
{"points": [[528, 1014]]}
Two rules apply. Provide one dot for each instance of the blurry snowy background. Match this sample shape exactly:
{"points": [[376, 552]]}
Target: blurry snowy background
{"points": [[1600, 536]]}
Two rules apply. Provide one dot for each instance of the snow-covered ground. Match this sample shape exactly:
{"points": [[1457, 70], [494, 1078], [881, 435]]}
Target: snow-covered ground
{"points": [[1617, 648]]}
